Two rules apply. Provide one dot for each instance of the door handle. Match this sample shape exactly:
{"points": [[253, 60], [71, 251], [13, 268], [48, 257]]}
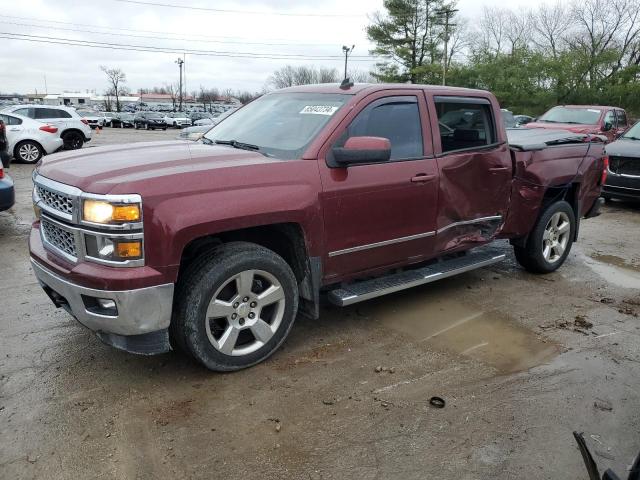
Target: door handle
{"points": [[499, 169], [422, 178]]}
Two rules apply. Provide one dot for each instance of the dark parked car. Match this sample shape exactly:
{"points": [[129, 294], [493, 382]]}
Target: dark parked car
{"points": [[123, 120], [149, 121], [623, 176], [4, 145], [7, 195]]}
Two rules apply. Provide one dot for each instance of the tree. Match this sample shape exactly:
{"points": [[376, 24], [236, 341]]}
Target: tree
{"points": [[172, 89], [289, 76], [116, 78], [409, 33]]}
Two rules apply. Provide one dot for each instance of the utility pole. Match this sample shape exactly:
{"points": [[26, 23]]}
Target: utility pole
{"points": [[346, 51], [446, 14], [180, 62]]}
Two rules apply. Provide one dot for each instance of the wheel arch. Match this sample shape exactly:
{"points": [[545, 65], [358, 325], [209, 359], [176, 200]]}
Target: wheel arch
{"points": [[286, 239], [20, 142]]}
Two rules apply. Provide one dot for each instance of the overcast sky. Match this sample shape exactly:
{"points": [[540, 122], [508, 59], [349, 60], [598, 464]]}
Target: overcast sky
{"points": [[24, 64]]}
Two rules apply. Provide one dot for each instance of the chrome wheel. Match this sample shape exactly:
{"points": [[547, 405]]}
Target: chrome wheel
{"points": [[556, 237], [245, 312], [29, 152]]}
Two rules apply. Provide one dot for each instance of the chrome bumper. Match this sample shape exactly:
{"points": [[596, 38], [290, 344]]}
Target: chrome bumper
{"points": [[139, 311]]}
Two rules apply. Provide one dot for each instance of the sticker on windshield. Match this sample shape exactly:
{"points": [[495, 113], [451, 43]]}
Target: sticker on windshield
{"points": [[592, 110], [318, 110]]}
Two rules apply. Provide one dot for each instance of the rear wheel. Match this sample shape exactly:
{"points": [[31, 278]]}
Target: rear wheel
{"points": [[28, 152], [550, 241], [73, 140], [235, 306]]}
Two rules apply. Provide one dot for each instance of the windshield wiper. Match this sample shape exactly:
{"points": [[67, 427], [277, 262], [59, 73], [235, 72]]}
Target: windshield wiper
{"points": [[631, 138], [237, 144], [547, 121]]}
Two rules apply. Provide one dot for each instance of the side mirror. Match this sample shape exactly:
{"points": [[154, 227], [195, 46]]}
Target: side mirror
{"points": [[360, 150], [607, 126]]}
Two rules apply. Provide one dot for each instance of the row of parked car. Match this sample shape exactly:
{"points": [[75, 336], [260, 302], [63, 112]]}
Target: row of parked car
{"points": [[145, 119]]}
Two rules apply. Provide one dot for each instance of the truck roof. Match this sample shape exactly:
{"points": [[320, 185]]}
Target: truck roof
{"points": [[598, 107], [360, 87]]}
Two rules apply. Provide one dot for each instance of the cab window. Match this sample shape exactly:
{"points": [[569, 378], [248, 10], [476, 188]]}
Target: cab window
{"points": [[465, 123], [622, 119], [394, 118]]}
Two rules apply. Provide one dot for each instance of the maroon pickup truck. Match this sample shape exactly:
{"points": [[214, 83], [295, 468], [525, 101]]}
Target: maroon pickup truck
{"points": [[609, 122], [337, 192]]}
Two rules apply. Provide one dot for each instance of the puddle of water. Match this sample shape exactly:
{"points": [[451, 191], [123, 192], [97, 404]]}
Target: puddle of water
{"points": [[614, 270], [446, 324]]}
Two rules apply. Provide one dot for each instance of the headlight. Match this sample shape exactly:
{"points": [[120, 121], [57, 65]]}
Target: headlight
{"points": [[98, 211]]}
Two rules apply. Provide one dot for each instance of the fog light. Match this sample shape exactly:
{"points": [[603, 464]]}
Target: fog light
{"points": [[106, 303]]}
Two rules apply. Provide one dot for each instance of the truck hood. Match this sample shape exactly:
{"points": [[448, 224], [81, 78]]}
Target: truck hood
{"points": [[624, 148], [565, 126], [135, 168]]}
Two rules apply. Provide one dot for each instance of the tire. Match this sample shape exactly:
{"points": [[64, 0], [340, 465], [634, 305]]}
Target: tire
{"points": [[164, 129], [73, 140], [550, 241], [227, 341], [28, 152]]}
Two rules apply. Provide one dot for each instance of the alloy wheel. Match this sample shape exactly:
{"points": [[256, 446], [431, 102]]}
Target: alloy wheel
{"points": [[29, 152], [245, 312], [556, 237]]}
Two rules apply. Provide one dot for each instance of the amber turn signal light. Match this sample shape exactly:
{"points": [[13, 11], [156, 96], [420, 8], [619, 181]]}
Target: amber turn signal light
{"points": [[129, 249]]}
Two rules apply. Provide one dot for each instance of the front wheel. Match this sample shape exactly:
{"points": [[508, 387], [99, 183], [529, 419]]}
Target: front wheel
{"points": [[550, 240], [235, 306], [28, 152]]}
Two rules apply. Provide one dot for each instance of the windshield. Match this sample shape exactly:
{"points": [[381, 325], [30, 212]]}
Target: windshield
{"points": [[581, 116], [155, 115], [633, 133], [281, 125]]}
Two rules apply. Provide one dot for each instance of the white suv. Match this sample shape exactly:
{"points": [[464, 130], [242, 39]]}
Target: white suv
{"points": [[74, 130], [28, 140]]}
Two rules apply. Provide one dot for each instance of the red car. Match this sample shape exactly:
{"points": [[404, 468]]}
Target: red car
{"points": [[347, 192], [595, 120]]}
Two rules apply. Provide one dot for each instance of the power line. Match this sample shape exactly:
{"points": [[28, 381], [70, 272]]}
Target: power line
{"points": [[143, 48], [159, 36], [244, 12]]}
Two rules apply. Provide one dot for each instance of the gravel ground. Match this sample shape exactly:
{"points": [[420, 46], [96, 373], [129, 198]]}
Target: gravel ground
{"points": [[521, 360]]}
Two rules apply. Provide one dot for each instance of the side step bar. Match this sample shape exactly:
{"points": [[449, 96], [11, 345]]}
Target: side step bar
{"points": [[349, 294]]}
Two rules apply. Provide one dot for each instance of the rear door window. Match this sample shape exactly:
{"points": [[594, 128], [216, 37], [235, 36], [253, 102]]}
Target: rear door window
{"points": [[610, 118], [465, 123], [622, 119], [27, 112], [394, 118], [51, 113]]}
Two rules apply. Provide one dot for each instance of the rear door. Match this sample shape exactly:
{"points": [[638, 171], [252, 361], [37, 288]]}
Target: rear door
{"points": [[380, 215], [53, 116], [475, 170], [621, 122]]}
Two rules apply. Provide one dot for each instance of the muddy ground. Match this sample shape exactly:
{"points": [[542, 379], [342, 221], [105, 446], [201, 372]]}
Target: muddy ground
{"points": [[521, 360]]}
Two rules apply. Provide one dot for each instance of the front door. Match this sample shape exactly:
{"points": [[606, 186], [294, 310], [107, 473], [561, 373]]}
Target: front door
{"points": [[475, 170], [380, 215]]}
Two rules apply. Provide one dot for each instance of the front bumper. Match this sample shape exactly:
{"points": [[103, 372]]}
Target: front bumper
{"points": [[140, 311], [622, 186], [7, 193]]}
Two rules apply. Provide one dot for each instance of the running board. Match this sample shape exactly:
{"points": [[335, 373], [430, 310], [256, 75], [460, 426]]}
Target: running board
{"points": [[349, 294]]}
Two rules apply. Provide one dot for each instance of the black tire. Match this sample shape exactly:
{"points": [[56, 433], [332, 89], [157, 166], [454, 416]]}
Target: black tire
{"points": [[200, 283], [531, 256], [607, 198], [28, 152], [164, 129], [73, 140]]}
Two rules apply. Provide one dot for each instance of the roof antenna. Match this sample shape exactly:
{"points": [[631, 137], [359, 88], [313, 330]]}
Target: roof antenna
{"points": [[346, 84]]}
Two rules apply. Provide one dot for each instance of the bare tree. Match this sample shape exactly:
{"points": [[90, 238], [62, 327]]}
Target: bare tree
{"points": [[116, 78], [289, 76], [550, 27], [173, 90]]}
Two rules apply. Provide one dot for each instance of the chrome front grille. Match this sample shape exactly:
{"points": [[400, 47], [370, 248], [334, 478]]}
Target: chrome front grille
{"points": [[625, 165], [55, 201], [59, 238]]}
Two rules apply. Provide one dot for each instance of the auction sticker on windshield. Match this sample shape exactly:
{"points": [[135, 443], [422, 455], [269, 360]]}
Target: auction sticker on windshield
{"points": [[319, 110]]}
